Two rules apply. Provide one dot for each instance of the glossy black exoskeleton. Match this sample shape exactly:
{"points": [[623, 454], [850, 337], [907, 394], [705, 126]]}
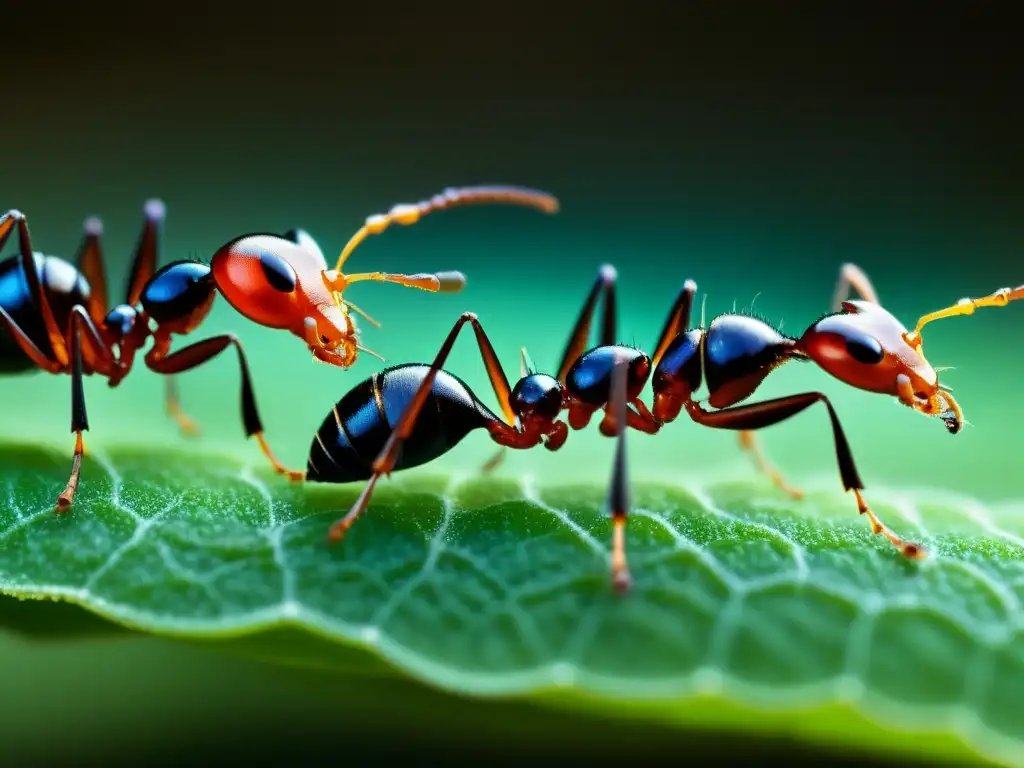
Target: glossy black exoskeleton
{"points": [[359, 425]]}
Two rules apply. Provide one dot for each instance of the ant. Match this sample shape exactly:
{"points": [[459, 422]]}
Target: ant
{"points": [[409, 415], [57, 315]]}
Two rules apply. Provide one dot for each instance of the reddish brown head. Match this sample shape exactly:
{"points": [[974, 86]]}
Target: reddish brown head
{"points": [[280, 284], [866, 347]]}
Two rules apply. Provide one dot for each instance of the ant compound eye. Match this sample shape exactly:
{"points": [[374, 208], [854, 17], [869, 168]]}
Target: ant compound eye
{"points": [[278, 272], [864, 349]]}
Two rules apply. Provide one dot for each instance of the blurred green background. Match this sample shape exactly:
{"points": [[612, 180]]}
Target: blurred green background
{"points": [[753, 151]]}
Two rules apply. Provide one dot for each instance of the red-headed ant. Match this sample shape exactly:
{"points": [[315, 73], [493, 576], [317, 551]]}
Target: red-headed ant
{"points": [[411, 414], [56, 317]]}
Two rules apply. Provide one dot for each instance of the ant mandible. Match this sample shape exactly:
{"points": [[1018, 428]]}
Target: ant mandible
{"points": [[860, 343], [57, 316]]}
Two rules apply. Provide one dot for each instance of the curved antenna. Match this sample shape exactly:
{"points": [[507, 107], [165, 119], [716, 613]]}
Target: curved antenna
{"points": [[371, 352], [999, 298], [407, 214], [360, 312]]}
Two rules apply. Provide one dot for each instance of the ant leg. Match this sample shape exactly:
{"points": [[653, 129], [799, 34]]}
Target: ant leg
{"points": [[852, 277], [750, 444], [618, 492], [503, 433], [147, 251], [79, 422], [90, 264], [96, 353], [764, 414], [553, 440], [188, 427], [642, 419], [79, 326], [494, 462], [678, 321], [193, 356], [8, 222], [408, 214], [577, 343]]}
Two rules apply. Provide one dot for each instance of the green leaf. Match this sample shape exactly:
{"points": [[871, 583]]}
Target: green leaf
{"points": [[750, 612]]}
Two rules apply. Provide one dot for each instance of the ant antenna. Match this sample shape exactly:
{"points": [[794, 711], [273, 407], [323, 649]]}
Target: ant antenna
{"points": [[407, 214], [358, 311], [999, 298], [370, 352], [526, 367]]}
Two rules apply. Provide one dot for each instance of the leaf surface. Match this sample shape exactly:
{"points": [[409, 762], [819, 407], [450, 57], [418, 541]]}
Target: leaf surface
{"points": [[749, 612]]}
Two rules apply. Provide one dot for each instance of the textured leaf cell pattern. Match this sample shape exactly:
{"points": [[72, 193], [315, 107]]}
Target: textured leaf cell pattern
{"points": [[496, 587]]}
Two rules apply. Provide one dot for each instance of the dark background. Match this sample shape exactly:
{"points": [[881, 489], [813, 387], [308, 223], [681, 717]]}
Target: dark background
{"points": [[638, 114], [752, 148]]}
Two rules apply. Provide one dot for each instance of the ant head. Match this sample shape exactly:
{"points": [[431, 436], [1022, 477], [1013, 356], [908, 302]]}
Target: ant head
{"points": [[279, 283], [537, 400], [868, 348]]}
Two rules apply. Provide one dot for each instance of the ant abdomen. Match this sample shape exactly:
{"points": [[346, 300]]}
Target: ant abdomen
{"points": [[65, 287], [354, 433]]}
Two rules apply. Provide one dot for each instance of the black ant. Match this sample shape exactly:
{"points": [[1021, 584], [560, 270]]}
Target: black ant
{"points": [[57, 319], [409, 415]]}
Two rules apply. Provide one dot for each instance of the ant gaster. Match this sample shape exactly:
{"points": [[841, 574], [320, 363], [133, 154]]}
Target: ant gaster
{"points": [[57, 319], [408, 415]]}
